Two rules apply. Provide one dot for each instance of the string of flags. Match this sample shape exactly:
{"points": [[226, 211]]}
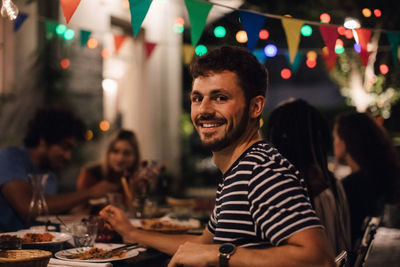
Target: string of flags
{"points": [[252, 22]]}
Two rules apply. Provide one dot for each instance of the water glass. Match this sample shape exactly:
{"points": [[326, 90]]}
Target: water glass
{"points": [[84, 232]]}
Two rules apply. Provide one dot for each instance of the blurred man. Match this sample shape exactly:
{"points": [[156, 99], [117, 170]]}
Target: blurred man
{"points": [[263, 216], [48, 144]]}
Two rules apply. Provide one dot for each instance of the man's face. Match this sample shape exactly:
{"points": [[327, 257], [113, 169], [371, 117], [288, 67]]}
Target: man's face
{"points": [[58, 155], [218, 111]]}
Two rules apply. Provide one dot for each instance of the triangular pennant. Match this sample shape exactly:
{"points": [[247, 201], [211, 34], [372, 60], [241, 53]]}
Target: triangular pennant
{"points": [[149, 47], [364, 35], [329, 35], [394, 40], [19, 21], [139, 9], [297, 61], [85, 35], [252, 24], [69, 7], [198, 13], [260, 55], [118, 40], [188, 54], [292, 29]]}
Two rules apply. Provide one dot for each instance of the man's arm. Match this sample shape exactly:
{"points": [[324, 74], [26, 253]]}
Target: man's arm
{"points": [[18, 194], [166, 243], [306, 248]]}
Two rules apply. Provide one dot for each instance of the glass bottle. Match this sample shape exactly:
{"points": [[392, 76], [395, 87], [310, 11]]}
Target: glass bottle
{"points": [[38, 205]]}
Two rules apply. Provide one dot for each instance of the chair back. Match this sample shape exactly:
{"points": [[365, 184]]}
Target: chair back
{"points": [[366, 241], [341, 260]]}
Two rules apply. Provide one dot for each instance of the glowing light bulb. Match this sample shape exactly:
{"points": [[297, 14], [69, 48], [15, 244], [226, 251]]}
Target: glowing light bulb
{"points": [[9, 10]]}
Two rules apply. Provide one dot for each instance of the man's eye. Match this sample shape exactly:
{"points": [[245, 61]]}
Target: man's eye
{"points": [[221, 98], [196, 99]]}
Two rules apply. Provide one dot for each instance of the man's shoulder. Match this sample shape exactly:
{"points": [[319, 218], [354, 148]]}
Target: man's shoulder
{"points": [[12, 152], [261, 152]]}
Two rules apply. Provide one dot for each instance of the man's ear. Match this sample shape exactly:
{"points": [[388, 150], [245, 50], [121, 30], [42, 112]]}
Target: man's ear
{"points": [[256, 106]]}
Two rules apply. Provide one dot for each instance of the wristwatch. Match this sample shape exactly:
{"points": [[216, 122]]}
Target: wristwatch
{"points": [[225, 252]]}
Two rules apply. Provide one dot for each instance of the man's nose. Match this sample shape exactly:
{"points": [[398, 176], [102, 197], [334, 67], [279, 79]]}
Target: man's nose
{"points": [[206, 106]]}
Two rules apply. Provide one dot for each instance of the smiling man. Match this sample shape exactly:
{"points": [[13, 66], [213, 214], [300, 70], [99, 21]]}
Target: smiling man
{"points": [[51, 136], [262, 216]]}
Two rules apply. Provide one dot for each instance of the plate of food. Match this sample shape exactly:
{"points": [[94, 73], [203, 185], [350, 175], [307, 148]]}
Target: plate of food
{"points": [[33, 237], [165, 225], [98, 253]]}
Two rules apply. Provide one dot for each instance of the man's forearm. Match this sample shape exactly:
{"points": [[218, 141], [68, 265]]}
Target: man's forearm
{"points": [[64, 202]]}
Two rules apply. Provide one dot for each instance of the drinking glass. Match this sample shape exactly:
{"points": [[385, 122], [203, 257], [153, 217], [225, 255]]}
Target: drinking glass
{"points": [[85, 232], [38, 205]]}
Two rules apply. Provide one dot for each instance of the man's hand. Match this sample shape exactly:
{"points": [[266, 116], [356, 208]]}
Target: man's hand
{"points": [[195, 255], [117, 219]]}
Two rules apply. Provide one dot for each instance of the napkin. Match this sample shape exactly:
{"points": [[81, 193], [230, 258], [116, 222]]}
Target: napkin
{"points": [[60, 263]]}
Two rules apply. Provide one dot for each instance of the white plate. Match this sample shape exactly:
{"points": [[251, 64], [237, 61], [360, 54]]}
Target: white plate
{"points": [[62, 255], [58, 237]]}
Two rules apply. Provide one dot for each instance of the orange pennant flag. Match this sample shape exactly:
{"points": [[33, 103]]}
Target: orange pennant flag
{"points": [[69, 7], [292, 30], [149, 47], [118, 41]]}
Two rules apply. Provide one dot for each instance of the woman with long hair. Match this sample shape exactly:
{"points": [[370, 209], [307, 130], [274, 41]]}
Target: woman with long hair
{"points": [[301, 134]]}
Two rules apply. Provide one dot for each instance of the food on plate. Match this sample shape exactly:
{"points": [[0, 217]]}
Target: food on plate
{"points": [[10, 242], [37, 238], [24, 257], [162, 225], [97, 254], [8, 237]]}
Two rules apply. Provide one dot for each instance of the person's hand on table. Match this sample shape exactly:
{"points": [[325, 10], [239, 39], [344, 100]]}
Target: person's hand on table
{"points": [[196, 255], [117, 219]]}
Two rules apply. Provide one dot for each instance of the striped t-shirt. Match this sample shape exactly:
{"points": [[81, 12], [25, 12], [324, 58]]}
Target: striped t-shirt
{"points": [[261, 200]]}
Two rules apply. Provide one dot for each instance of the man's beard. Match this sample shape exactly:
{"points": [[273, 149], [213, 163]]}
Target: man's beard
{"points": [[230, 137]]}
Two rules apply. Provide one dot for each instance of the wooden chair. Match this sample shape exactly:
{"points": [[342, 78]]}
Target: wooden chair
{"points": [[341, 260], [366, 241]]}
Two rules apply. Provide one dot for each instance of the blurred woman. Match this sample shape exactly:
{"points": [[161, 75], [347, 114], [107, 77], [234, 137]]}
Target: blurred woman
{"points": [[122, 159], [301, 134], [367, 148]]}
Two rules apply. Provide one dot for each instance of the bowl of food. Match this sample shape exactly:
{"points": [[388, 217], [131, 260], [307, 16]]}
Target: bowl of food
{"points": [[25, 257], [9, 241]]}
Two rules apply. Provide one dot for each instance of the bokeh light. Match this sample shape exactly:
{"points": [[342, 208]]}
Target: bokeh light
{"points": [[366, 12], [357, 47], [264, 34], [220, 31], [384, 69], [178, 28], [341, 30], [306, 30], [339, 49], [69, 34], [60, 29], [105, 53], [312, 55], [89, 135], [311, 63], [92, 43], [241, 37], [179, 21], [104, 125], [325, 18], [270, 50], [64, 63], [339, 42], [200, 50], [286, 73], [348, 34], [377, 13]]}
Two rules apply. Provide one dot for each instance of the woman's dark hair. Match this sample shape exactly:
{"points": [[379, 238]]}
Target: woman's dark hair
{"points": [[252, 75], [130, 137], [301, 134], [371, 148], [54, 125]]}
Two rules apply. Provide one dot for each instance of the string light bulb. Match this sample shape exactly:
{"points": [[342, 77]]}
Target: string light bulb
{"points": [[9, 10]]}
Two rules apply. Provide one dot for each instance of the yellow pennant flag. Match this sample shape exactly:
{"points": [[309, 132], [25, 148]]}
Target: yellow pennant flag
{"points": [[292, 29], [188, 54]]}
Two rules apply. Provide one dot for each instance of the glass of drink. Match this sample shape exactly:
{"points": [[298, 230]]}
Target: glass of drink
{"points": [[85, 232]]}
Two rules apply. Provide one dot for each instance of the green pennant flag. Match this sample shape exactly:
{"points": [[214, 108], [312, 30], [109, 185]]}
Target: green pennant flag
{"points": [[84, 37], [198, 13], [394, 40], [139, 9], [50, 28]]}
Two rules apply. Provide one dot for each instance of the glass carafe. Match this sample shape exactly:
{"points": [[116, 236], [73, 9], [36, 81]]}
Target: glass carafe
{"points": [[38, 205]]}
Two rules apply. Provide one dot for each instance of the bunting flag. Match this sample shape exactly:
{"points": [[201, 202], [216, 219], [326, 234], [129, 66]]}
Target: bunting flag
{"points": [[19, 21], [85, 35], [260, 55], [329, 35], [292, 29], [198, 13], [149, 47], [118, 41], [252, 24], [364, 35], [69, 7], [297, 61], [138, 9], [394, 41], [188, 54]]}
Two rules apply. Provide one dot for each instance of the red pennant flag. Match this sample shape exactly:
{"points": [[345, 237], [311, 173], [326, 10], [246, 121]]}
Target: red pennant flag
{"points": [[364, 35], [149, 47], [118, 41], [329, 35], [69, 7]]}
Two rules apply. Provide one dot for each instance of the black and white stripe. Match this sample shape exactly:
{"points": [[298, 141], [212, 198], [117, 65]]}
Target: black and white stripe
{"points": [[261, 201]]}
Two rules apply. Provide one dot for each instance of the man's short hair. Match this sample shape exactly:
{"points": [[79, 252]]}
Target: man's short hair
{"points": [[252, 75], [54, 125]]}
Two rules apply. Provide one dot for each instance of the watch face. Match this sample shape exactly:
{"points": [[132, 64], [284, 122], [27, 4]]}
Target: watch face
{"points": [[227, 248]]}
